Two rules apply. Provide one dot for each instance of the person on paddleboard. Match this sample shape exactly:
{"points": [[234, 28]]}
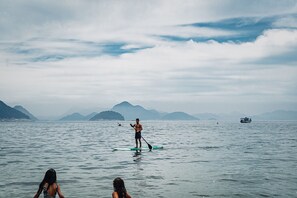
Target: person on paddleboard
{"points": [[138, 128]]}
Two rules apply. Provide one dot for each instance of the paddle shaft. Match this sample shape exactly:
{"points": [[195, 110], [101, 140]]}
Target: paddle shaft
{"points": [[150, 146]]}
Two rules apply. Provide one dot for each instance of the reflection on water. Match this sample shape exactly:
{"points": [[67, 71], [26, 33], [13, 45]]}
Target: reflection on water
{"points": [[199, 159]]}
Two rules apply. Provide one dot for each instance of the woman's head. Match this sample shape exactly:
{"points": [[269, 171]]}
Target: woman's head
{"points": [[119, 187], [118, 183], [50, 176]]}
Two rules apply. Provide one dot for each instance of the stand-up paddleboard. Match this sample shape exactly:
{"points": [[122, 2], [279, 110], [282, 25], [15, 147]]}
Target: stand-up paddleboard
{"points": [[138, 149]]}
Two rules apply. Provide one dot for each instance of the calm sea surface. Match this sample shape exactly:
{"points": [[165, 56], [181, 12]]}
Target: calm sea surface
{"points": [[200, 159]]}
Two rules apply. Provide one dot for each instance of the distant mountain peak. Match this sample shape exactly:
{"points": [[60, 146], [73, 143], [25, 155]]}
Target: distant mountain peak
{"points": [[124, 104], [130, 112], [6, 112], [179, 116], [73, 117], [108, 115]]}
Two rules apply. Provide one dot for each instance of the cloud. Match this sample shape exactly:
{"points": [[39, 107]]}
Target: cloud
{"points": [[188, 54], [85, 19], [286, 22]]}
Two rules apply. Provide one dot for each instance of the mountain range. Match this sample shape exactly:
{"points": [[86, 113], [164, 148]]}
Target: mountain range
{"points": [[130, 112]]}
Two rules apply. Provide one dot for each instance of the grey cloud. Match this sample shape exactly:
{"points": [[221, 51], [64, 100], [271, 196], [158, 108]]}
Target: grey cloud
{"points": [[63, 51], [33, 17], [37, 50]]}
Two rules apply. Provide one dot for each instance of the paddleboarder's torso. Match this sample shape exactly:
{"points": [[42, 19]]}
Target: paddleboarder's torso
{"points": [[138, 128]]}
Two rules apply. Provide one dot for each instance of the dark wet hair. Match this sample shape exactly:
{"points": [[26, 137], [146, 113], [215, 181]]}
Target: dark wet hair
{"points": [[50, 177], [119, 187]]}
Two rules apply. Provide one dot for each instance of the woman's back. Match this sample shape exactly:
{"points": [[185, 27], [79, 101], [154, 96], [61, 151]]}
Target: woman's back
{"points": [[50, 191], [116, 195]]}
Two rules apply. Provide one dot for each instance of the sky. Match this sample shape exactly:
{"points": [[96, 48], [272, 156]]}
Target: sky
{"points": [[189, 55]]}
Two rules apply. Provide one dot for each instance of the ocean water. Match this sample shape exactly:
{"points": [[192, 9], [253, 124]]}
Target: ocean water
{"points": [[199, 159]]}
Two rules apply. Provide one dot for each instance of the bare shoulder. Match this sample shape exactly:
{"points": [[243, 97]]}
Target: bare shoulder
{"points": [[115, 195]]}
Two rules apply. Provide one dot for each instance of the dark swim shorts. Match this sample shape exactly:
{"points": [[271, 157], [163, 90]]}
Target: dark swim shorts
{"points": [[138, 135]]}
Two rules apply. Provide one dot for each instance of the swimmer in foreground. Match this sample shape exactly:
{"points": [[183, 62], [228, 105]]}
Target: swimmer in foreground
{"points": [[119, 189], [49, 185]]}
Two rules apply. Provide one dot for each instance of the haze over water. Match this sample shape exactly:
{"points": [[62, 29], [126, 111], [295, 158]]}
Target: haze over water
{"points": [[200, 159]]}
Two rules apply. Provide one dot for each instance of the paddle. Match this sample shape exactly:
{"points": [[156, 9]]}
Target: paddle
{"points": [[150, 146]]}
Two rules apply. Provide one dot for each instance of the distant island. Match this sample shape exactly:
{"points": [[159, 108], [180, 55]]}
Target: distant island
{"points": [[178, 116], [107, 115], [73, 117], [77, 117], [8, 113]]}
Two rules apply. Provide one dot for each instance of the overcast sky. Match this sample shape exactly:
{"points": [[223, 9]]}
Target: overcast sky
{"points": [[192, 56]]}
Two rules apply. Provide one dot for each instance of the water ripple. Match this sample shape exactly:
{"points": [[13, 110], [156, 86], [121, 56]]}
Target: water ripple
{"points": [[200, 159]]}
